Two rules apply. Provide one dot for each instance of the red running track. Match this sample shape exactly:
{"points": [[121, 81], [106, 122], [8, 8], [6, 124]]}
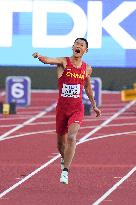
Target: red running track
{"points": [[103, 170]]}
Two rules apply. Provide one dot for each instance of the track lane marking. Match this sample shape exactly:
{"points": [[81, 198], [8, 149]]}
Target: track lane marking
{"points": [[29, 176], [29, 133], [54, 132], [106, 136], [108, 121], [115, 186], [47, 164], [57, 156], [31, 124], [20, 117], [81, 128], [50, 108]]}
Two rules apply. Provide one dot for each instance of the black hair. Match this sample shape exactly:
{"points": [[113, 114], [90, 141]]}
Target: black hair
{"points": [[83, 39]]}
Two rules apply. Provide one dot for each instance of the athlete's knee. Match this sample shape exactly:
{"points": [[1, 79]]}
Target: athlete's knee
{"points": [[73, 130], [71, 138], [72, 135]]}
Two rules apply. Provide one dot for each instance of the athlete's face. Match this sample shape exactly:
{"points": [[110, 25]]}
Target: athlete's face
{"points": [[79, 48]]}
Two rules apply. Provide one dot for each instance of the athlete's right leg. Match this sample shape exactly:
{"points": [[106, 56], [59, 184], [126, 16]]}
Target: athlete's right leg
{"points": [[61, 143], [61, 129], [69, 151]]}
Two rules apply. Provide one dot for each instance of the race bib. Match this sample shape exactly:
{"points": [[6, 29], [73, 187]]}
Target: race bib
{"points": [[72, 91]]}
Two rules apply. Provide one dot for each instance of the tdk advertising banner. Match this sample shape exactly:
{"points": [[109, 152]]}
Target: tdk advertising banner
{"points": [[50, 27]]}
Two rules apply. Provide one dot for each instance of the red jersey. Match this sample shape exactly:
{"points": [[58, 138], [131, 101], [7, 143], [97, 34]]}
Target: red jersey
{"points": [[71, 84], [70, 108]]}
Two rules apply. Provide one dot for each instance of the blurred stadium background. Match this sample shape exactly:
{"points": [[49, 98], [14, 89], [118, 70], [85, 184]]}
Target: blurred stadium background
{"points": [[50, 27]]}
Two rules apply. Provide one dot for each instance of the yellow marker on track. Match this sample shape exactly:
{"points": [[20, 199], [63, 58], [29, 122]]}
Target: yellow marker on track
{"points": [[6, 108], [128, 95]]}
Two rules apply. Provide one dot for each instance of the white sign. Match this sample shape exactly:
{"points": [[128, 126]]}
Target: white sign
{"points": [[92, 23]]}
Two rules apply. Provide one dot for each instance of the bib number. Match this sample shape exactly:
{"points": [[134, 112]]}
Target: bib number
{"points": [[72, 91]]}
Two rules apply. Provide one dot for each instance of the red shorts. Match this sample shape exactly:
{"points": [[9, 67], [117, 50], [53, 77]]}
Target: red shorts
{"points": [[65, 116]]}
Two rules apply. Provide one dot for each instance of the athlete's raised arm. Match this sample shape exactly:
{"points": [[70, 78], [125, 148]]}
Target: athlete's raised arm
{"points": [[89, 91], [48, 60]]}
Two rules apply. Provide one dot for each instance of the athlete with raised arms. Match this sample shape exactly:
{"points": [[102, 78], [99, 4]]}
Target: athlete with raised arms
{"points": [[73, 76]]}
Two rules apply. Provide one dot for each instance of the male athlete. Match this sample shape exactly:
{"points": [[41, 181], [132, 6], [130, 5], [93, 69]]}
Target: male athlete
{"points": [[73, 75]]}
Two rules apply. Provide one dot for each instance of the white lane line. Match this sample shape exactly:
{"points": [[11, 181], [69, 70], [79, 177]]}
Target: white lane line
{"points": [[48, 163], [50, 108], [21, 117], [29, 113], [54, 131], [29, 133], [115, 186], [31, 124], [29, 176], [114, 105], [82, 127], [105, 117], [88, 118], [52, 160], [108, 121], [111, 125], [107, 136]]}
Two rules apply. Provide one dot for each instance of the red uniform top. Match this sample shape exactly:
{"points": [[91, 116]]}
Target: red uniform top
{"points": [[70, 108], [71, 84]]}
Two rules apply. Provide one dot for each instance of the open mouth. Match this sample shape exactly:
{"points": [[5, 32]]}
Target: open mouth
{"points": [[77, 50]]}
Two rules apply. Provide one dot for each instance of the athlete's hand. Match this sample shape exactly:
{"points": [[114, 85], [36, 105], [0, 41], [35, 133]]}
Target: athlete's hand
{"points": [[41, 58], [36, 55], [97, 111]]}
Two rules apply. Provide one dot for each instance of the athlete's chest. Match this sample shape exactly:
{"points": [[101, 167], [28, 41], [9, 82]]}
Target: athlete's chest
{"points": [[71, 73], [72, 82]]}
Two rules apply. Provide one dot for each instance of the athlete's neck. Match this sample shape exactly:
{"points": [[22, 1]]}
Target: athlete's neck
{"points": [[76, 61]]}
